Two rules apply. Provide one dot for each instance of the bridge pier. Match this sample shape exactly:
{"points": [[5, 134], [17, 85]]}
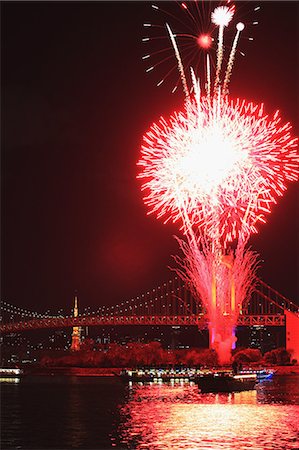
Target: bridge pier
{"points": [[292, 334]]}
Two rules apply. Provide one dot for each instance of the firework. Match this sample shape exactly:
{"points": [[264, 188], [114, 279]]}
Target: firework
{"points": [[221, 17], [194, 32], [216, 168], [217, 165]]}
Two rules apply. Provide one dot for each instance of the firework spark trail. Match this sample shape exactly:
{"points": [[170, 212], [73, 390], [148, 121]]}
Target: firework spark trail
{"points": [[208, 77], [219, 58], [221, 17], [196, 87], [230, 63], [180, 64]]}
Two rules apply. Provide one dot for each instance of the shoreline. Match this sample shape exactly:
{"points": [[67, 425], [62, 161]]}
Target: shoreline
{"points": [[74, 371], [114, 372], [285, 370]]}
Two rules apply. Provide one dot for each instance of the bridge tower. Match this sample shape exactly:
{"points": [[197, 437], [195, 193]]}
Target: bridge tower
{"points": [[76, 334], [292, 333]]}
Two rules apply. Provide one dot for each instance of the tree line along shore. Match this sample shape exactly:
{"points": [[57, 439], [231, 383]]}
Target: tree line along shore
{"points": [[153, 355]]}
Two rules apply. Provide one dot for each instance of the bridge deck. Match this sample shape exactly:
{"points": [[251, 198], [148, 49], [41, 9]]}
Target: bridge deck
{"points": [[199, 321]]}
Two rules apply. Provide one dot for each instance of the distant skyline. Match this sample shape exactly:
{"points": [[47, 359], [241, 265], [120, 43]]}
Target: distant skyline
{"points": [[76, 102]]}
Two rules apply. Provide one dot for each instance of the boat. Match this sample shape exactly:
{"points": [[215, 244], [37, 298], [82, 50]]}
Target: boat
{"points": [[136, 375], [219, 381], [261, 374], [150, 374], [11, 372], [226, 382]]}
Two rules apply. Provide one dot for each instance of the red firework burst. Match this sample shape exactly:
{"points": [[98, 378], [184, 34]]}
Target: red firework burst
{"points": [[217, 166]]}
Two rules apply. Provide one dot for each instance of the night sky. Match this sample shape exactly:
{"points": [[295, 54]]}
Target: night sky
{"points": [[76, 102]]}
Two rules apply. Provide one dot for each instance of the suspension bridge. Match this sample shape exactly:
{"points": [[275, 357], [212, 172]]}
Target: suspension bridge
{"points": [[168, 304]]}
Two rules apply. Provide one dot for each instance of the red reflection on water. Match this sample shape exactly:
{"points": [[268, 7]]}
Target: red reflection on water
{"points": [[179, 417]]}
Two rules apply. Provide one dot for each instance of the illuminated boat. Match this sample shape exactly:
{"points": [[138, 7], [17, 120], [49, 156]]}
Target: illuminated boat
{"points": [[11, 372], [226, 382], [261, 375], [232, 382], [136, 375], [146, 375]]}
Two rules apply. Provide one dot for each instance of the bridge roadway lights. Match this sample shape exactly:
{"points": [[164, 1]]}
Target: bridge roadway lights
{"points": [[199, 321]]}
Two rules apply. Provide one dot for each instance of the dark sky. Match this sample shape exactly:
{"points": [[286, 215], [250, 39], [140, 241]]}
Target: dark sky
{"points": [[75, 103]]}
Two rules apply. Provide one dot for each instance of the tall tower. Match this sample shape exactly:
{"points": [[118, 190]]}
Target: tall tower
{"points": [[76, 337]]}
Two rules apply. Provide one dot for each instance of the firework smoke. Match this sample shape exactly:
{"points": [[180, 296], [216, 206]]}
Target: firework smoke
{"points": [[224, 284]]}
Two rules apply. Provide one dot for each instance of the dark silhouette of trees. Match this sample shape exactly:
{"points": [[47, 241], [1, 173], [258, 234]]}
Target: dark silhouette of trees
{"points": [[279, 356], [152, 354], [248, 355]]}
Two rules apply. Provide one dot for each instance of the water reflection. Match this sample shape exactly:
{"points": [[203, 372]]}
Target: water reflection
{"points": [[9, 380], [95, 413], [177, 416], [74, 425]]}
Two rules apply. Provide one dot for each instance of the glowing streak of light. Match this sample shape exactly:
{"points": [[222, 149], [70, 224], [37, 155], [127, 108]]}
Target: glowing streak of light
{"points": [[208, 77], [221, 17], [230, 63], [219, 57], [196, 86], [180, 64]]}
